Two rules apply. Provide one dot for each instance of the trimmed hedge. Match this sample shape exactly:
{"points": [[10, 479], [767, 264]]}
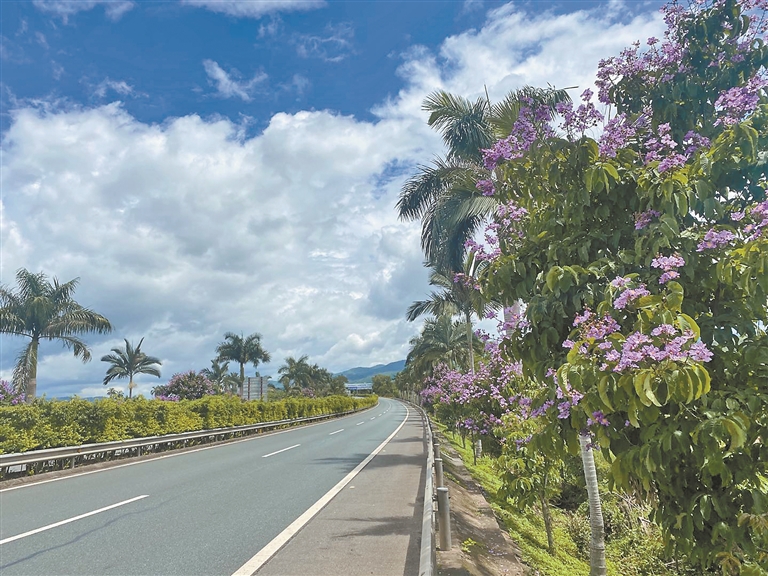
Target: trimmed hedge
{"points": [[55, 423]]}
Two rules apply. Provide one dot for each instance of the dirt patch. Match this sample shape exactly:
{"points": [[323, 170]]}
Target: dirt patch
{"points": [[481, 547]]}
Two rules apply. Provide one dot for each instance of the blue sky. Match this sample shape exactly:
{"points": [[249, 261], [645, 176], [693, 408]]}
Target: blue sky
{"points": [[209, 166]]}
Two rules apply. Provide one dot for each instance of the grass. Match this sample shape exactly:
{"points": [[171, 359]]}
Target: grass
{"points": [[527, 528]]}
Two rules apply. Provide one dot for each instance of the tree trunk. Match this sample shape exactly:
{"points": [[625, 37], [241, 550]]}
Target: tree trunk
{"points": [[547, 517], [597, 541], [131, 386], [31, 390], [470, 342], [242, 378]]}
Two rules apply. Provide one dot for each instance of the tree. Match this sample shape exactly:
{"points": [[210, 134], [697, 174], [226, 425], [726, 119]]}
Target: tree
{"points": [[219, 374], [382, 385], [242, 350], [442, 341], [642, 260], [446, 196], [129, 361], [295, 374], [189, 385], [339, 385], [459, 294], [40, 309]]}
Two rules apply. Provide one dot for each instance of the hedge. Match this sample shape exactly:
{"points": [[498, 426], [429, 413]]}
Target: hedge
{"points": [[55, 423]]}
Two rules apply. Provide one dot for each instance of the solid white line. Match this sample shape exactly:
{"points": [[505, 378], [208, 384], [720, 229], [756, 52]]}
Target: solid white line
{"points": [[44, 528], [280, 540], [278, 451], [337, 431]]}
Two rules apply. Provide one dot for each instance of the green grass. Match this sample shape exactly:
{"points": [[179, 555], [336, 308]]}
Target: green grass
{"points": [[527, 529]]}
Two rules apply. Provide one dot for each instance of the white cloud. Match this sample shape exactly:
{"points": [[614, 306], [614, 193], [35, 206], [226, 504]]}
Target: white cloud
{"points": [[334, 46], [253, 9], [226, 83], [183, 230], [121, 87], [114, 9]]}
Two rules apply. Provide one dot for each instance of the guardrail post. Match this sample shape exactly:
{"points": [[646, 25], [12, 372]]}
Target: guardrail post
{"points": [[444, 518], [439, 472], [478, 448], [436, 444]]}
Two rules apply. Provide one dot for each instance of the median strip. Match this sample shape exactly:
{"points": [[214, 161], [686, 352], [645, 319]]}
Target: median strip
{"points": [[278, 451], [56, 524]]}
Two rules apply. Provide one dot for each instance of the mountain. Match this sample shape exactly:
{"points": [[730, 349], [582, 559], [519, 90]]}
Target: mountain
{"points": [[361, 374]]}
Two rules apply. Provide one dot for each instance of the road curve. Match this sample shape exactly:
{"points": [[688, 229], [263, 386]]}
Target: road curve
{"points": [[212, 511]]}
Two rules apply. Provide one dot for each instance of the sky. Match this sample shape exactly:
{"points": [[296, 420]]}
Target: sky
{"points": [[205, 166]]}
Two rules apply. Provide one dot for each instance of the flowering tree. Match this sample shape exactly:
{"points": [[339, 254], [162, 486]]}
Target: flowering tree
{"points": [[641, 257], [10, 395], [185, 386]]}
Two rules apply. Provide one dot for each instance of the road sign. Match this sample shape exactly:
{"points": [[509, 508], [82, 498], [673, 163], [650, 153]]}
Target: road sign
{"points": [[255, 388]]}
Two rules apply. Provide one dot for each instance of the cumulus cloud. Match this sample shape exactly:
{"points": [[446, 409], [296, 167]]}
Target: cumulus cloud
{"points": [[240, 9], [114, 9], [334, 46], [186, 229], [226, 83]]}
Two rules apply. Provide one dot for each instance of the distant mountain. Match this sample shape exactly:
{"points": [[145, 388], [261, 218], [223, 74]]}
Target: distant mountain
{"points": [[361, 374]]}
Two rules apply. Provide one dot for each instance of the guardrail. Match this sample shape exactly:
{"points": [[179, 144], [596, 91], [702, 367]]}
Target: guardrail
{"points": [[427, 556], [37, 461]]}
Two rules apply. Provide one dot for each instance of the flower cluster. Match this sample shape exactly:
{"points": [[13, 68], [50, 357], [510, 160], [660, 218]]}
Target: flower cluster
{"points": [[734, 104], [578, 121], [466, 281], [601, 342], [643, 219], [532, 124], [715, 239], [187, 385], [486, 187], [10, 396], [669, 264], [617, 133], [630, 291], [661, 147]]}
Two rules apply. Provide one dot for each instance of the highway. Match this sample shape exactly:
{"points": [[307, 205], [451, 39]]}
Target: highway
{"points": [[339, 497]]}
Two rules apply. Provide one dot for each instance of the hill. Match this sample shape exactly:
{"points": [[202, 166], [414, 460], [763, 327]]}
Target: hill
{"points": [[361, 374]]}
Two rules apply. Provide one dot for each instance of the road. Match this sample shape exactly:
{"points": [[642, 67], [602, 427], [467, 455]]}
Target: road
{"points": [[339, 497]]}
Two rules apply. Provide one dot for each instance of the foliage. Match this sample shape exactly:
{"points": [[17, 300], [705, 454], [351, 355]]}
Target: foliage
{"points": [[671, 195], [383, 385], [185, 386], [43, 309], [243, 350], [127, 362], [55, 423]]}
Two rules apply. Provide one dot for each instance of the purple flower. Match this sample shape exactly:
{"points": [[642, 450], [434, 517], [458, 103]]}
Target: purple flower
{"points": [[642, 219], [715, 239], [486, 187], [698, 352]]}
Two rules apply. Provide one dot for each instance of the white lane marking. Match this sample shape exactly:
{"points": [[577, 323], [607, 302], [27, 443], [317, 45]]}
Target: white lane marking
{"points": [[374, 418], [67, 521], [337, 431], [278, 451], [279, 541], [172, 455], [358, 424]]}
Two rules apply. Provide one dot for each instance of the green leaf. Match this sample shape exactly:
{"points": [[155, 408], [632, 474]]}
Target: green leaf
{"points": [[602, 390]]}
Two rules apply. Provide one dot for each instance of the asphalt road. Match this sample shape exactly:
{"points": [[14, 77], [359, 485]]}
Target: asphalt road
{"points": [[284, 503]]}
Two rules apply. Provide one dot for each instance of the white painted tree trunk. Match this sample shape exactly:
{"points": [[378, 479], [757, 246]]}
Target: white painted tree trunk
{"points": [[597, 541]]}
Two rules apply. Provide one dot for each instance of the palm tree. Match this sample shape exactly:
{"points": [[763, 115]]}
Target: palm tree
{"points": [[296, 374], [455, 297], [44, 310], [217, 372], [128, 362], [444, 195], [243, 351], [441, 341]]}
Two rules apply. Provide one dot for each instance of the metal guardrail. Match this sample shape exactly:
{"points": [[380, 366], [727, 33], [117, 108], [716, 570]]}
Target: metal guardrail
{"points": [[49, 459], [427, 556]]}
